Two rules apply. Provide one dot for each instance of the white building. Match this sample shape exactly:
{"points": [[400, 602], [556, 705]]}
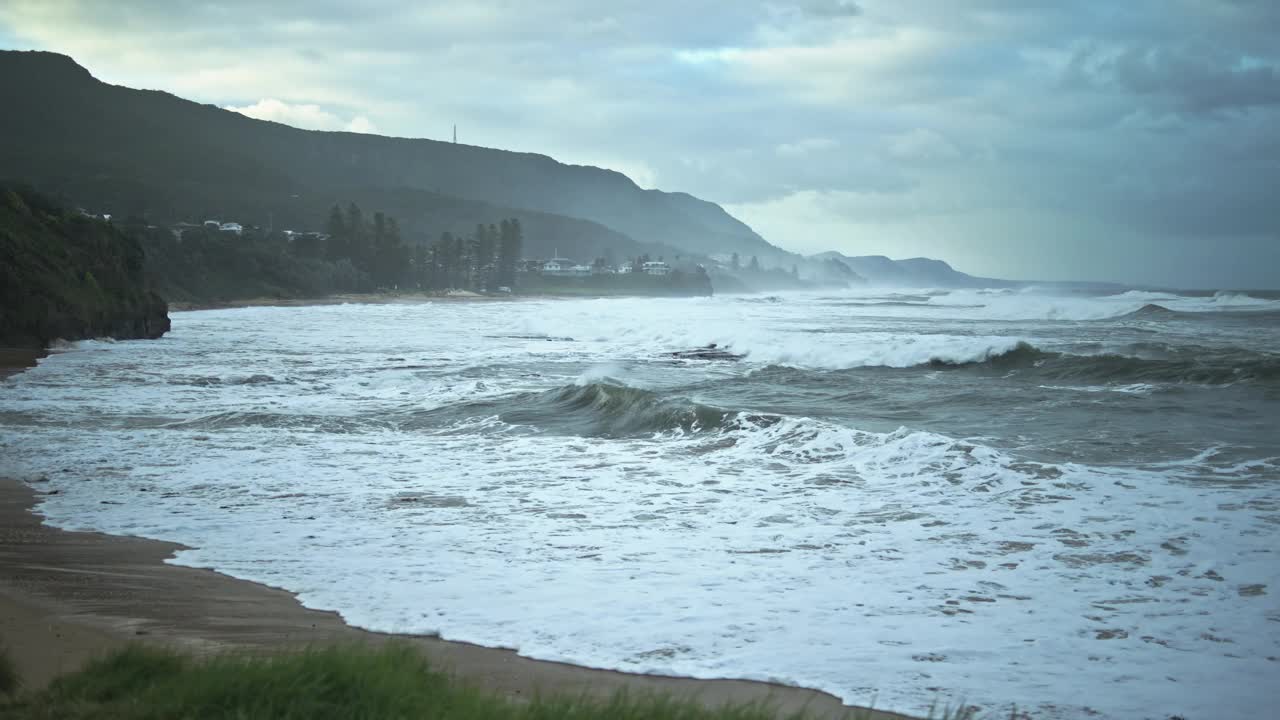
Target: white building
{"points": [[231, 227], [557, 266], [580, 270], [657, 268]]}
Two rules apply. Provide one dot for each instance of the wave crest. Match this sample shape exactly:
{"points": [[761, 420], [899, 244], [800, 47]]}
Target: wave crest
{"points": [[603, 409], [1161, 364]]}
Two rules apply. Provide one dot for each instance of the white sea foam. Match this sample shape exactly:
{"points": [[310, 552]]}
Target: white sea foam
{"points": [[1041, 306], [877, 350], [873, 565], [754, 332], [1130, 389]]}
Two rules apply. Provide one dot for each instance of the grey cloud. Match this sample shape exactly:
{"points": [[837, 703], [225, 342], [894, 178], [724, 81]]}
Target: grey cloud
{"points": [[831, 8], [1191, 79]]}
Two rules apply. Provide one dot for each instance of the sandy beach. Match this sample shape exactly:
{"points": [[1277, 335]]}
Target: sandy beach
{"points": [[68, 596]]}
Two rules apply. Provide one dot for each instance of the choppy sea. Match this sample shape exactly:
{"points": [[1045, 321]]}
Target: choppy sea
{"points": [[1067, 502]]}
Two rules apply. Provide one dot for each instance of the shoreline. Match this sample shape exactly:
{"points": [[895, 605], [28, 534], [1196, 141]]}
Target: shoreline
{"points": [[16, 360], [401, 299], [66, 597], [342, 299]]}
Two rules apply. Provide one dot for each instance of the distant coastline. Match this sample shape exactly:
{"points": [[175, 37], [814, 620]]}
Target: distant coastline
{"points": [[387, 299], [339, 299]]}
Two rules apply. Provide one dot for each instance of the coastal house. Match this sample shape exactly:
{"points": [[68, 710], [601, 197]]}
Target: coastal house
{"points": [[580, 271], [558, 266], [657, 267], [232, 227]]}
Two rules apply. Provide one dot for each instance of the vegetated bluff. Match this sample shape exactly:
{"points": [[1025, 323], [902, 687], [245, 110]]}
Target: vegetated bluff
{"points": [[106, 144], [67, 276]]}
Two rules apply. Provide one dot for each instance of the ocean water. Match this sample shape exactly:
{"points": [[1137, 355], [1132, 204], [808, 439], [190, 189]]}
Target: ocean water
{"points": [[1069, 503]]}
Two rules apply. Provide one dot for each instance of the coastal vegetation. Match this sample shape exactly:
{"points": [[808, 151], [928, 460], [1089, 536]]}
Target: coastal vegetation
{"points": [[212, 262], [65, 275], [392, 681], [483, 262], [366, 253], [204, 265]]}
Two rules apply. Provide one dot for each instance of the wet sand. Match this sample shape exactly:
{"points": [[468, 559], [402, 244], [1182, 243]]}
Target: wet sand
{"points": [[68, 596], [15, 360]]}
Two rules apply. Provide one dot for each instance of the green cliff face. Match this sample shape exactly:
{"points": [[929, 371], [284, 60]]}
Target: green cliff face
{"points": [[67, 276]]}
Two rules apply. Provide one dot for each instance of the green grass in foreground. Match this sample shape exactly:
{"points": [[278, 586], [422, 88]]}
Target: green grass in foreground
{"points": [[343, 682]]}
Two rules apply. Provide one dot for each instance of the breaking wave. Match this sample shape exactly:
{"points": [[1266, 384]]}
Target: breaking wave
{"points": [[604, 409], [1148, 362], [877, 350], [1162, 364], [1152, 311]]}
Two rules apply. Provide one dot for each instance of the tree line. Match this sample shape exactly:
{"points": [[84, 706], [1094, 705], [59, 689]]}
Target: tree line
{"points": [[482, 261]]}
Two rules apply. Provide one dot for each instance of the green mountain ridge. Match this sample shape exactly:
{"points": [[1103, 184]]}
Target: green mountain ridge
{"points": [[152, 154]]}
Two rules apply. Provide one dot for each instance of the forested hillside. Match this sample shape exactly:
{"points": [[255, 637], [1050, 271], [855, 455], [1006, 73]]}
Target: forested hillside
{"points": [[66, 276], [150, 154]]}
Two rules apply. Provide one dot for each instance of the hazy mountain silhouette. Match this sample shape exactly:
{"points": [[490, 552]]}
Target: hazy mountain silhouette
{"points": [[153, 154], [913, 272]]}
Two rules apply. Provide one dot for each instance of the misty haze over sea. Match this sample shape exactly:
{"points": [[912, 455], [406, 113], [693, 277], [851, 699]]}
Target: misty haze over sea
{"points": [[1058, 501]]}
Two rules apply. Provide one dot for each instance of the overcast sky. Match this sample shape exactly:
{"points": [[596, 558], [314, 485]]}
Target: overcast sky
{"points": [[1134, 140]]}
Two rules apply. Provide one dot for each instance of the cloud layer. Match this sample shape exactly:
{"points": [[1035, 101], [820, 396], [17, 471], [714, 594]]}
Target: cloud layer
{"points": [[310, 117], [1123, 141]]}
